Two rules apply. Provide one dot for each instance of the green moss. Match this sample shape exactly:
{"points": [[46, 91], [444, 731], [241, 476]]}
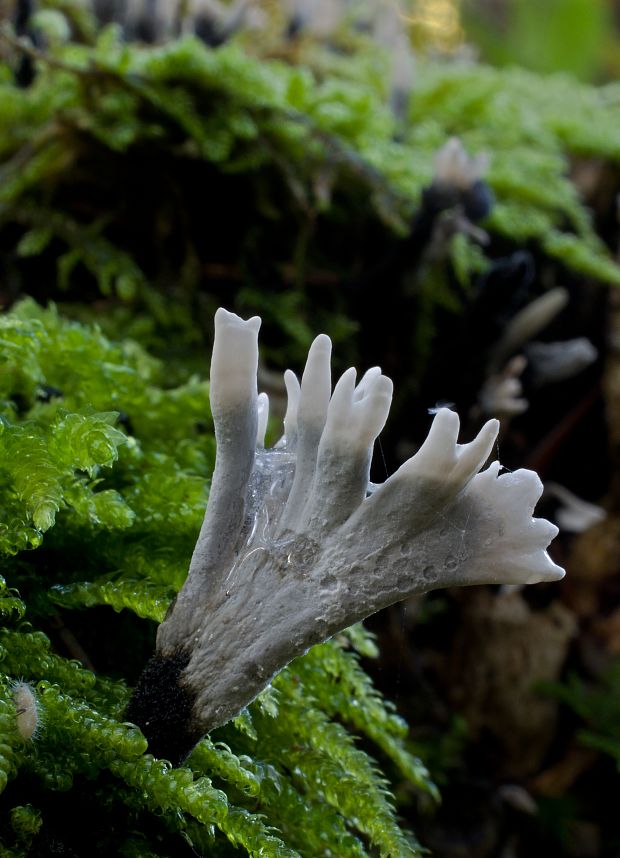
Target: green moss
{"points": [[113, 509], [141, 187], [303, 146]]}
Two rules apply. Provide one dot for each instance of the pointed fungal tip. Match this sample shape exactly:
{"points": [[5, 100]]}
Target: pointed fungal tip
{"points": [[490, 428], [322, 343], [225, 317], [384, 385], [447, 417]]}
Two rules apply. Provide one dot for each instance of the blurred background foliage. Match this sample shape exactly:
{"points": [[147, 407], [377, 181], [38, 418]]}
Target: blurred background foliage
{"points": [[574, 36]]}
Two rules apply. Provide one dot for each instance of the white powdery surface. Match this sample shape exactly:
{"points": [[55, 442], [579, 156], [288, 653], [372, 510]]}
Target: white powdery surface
{"points": [[294, 547]]}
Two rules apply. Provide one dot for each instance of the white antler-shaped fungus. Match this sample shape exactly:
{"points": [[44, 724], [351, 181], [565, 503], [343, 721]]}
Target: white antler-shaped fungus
{"points": [[294, 548]]}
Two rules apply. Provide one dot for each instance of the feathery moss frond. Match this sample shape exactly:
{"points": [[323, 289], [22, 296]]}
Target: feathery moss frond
{"points": [[335, 678], [145, 599], [113, 465]]}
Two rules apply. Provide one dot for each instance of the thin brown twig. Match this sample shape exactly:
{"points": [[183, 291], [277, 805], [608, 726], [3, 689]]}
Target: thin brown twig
{"points": [[25, 46], [72, 645]]}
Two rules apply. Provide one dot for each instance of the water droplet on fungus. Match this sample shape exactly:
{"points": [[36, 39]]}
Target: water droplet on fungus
{"points": [[429, 574]]}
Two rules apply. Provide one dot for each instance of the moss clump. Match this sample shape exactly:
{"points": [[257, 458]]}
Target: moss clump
{"points": [[112, 501]]}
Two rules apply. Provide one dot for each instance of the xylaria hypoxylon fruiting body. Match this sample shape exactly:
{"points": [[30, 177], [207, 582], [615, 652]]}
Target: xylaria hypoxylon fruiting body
{"points": [[294, 547]]}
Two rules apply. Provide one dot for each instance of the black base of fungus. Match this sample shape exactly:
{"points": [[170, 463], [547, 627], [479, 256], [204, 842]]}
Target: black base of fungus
{"points": [[162, 708]]}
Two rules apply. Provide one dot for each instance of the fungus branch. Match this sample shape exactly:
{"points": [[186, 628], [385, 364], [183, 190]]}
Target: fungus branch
{"points": [[294, 548]]}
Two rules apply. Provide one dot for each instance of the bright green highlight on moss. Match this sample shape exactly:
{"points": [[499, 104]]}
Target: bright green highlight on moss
{"points": [[240, 113], [107, 468]]}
